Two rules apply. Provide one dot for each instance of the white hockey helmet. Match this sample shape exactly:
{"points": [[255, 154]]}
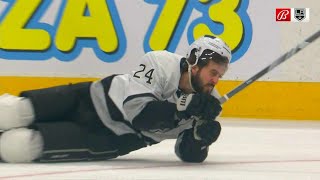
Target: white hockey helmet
{"points": [[213, 43]]}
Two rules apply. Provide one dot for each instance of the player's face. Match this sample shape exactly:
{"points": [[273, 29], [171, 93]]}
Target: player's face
{"points": [[204, 79]]}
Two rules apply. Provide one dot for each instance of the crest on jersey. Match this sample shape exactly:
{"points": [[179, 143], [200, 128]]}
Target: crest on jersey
{"points": [[299, 13]]}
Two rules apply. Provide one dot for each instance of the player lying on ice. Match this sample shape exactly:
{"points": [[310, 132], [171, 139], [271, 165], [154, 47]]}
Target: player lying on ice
{"points": [[121, 113]]}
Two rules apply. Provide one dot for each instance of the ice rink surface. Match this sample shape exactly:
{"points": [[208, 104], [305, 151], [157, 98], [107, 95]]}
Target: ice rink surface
{"points": [[246, 149]]}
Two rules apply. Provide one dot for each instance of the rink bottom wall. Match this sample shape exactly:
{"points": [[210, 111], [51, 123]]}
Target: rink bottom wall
{"points": [[262, 99]]}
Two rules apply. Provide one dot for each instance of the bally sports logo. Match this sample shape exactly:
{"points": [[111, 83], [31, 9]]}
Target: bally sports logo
{"points": [[283, 14], [293, 14]]}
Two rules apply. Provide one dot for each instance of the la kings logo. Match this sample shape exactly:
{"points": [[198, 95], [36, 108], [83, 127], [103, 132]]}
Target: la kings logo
{"points": [[299, 13]]}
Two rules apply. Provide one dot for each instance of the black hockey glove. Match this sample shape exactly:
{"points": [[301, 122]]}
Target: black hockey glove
{"points": [[206, 131], [201, 105]]}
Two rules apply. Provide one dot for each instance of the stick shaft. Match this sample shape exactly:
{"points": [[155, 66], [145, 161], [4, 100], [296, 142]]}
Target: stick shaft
{"points": [[267, 69]]}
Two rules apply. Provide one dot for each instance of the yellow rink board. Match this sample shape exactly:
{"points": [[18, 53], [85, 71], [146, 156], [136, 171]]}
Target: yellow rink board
{"points": [[269, 100]]}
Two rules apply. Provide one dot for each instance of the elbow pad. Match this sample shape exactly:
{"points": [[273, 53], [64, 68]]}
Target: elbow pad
{"points": [[156, 115]]}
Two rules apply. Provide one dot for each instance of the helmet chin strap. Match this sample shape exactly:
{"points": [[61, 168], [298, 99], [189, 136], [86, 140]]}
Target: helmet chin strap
{"points": [[189, 73], [189, 70]]}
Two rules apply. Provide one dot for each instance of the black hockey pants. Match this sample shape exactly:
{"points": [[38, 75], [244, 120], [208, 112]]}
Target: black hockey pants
{"points": [[70, 126]]}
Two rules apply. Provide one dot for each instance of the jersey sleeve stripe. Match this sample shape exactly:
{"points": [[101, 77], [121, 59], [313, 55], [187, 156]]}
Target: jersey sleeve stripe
{"points": [[138, 96]]}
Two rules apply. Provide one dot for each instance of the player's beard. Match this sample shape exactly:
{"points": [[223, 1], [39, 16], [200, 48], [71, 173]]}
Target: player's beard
{"points": [[198, 85]]}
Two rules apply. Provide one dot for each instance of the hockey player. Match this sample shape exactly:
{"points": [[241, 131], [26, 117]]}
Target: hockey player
{"points": [[166, 97]]}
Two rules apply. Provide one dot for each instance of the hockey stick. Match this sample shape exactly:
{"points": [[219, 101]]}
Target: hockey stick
{"points": [[267, 69]]}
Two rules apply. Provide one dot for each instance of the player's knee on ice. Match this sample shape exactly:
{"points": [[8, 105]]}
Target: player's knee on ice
{"points": [[15, 112], [20, 145]]}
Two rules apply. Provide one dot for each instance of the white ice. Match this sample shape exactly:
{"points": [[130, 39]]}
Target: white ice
{"points": [[247, 149]]}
